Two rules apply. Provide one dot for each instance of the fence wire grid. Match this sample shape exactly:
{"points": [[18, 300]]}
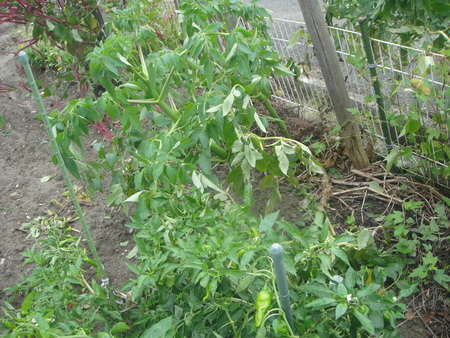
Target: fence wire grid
{"points": [[396, 66]]}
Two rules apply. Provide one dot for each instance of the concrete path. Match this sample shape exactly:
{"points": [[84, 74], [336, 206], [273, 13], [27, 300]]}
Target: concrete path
{"points": [[282, 9]]}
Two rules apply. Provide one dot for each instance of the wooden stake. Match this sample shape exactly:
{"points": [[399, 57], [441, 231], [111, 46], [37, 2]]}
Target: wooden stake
{"points": [[334, 80]]}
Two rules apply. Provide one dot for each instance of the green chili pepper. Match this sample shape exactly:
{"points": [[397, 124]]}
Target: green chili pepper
{"points": [[364, 309], [255, 232], [283, 327], [263, 302]]}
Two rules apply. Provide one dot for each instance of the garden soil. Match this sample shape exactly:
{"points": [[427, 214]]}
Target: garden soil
{"points": [[25, 159], [26, 194]]}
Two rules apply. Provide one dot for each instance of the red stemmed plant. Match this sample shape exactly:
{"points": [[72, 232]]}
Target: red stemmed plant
{"points": [[70, 25]]}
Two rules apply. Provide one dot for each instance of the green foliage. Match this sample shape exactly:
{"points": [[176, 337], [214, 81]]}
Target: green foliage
{"points": [[154, 24], [178, 111], [69, 25], [57, 298], [221, 73], [420, 130], [412, 22], [48, 56], [426, 137], [2, 122], [422, 144], [62, 34], [429, 237], [203, 261]]}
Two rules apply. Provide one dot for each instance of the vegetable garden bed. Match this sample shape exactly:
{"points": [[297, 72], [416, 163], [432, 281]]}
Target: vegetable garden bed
{"points": [[190, 260]]}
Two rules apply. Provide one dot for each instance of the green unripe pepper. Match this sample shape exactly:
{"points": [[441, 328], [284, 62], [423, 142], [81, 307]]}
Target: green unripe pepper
{"points": [[283, 327], [263, 302], [364, 309]]}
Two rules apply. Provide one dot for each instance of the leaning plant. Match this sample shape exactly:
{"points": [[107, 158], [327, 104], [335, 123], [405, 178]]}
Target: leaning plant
{"points": [[202, 91]]}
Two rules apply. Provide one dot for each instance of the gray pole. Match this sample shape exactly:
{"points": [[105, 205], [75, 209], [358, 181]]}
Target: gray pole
{"points": [[23, 58], [276, 252]]}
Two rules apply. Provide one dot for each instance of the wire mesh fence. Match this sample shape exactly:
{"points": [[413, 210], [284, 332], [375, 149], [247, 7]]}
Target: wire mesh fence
{"points": [[416, 99]]}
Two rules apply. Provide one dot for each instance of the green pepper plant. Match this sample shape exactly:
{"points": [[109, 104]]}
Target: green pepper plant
{"points": [[57, 298], [201, 261], [201, 91], [203, 268]]}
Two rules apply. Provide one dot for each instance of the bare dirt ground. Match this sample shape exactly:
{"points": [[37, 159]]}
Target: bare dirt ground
{"points": [[25, 158]]}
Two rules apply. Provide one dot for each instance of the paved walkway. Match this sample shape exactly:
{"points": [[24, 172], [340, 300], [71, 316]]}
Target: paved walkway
{"points": [[282, 9]]}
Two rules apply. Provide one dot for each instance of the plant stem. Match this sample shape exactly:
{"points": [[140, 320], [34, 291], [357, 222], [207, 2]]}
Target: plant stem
{"points": [[157, 99], [375, 82], [216, 149], [23, 58], [173, 114], [281, 124]]}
